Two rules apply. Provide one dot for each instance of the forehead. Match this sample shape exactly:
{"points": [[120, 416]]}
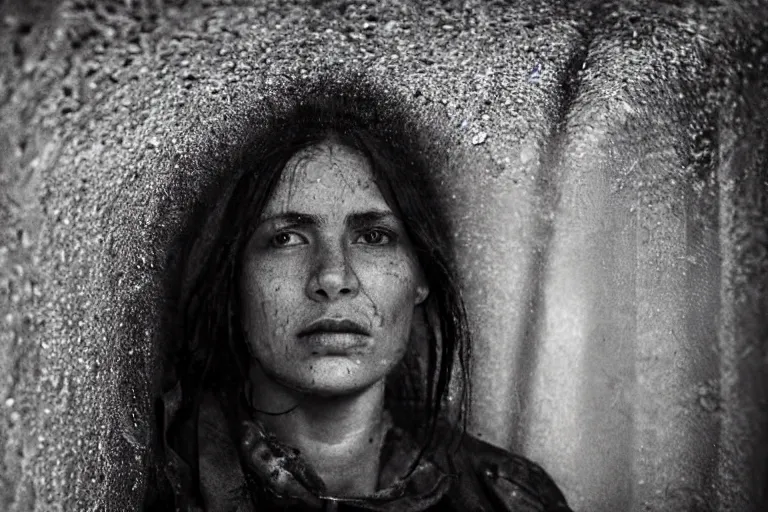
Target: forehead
{"points": [[327, 179]]}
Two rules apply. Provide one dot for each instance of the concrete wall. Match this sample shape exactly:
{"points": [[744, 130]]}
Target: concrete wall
{"points": [[604, 163]]}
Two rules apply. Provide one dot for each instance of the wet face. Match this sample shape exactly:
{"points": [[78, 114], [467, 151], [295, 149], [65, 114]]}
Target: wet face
{"points": [[330, 280]]}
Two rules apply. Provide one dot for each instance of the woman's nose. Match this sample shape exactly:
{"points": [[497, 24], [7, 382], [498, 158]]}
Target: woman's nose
{"points": [[333, 277]]}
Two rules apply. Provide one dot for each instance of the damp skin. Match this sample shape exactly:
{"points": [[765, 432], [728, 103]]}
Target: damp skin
{"points": [[329, 247]]}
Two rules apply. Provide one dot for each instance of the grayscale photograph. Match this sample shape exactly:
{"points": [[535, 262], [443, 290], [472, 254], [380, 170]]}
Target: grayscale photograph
{"points": [[384, 255]]}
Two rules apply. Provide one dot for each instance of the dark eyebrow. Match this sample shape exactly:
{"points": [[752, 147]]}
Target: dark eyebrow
{"points": [[363, 219], [293, 219]]}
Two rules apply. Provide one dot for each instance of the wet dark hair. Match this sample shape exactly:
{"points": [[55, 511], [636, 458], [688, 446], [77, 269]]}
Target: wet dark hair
{"points": [[216, 356]]}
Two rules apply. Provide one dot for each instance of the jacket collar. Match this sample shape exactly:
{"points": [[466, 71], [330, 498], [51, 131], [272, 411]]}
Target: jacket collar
{"points": [[277, 474]]}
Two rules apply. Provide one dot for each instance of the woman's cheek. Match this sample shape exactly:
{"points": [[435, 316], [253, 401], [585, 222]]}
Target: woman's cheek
{"points": [[266, 325], [401, 284]]}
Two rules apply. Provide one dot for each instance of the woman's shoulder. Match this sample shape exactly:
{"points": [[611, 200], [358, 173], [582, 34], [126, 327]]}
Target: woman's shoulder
{"points": [[503, 480]]}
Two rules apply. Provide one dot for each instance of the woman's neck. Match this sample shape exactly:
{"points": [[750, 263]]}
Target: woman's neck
{"points": [[339, 436]]}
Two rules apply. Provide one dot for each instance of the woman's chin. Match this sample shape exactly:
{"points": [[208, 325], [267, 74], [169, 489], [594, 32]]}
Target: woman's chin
{"points": [[336, 376]]}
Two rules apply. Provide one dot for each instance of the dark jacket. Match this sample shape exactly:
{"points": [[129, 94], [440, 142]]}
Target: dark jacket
{"points": [[264, 474]]}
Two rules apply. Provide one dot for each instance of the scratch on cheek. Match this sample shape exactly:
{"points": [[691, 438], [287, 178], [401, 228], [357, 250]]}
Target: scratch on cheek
{"points": [[377, 319], [263, 308]]}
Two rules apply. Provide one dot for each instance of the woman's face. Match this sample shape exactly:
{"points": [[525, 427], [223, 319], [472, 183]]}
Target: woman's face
{"points": [[330, 280]]}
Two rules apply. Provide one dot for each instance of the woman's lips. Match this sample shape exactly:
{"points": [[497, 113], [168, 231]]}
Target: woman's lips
{"points": [[331, 336], [335, 343], [334, 325]]}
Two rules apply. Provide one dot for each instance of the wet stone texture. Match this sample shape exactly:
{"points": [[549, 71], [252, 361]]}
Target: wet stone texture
{"points": [[604, 164]]}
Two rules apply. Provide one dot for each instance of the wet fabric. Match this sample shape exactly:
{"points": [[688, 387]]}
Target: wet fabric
{"points": [[258, 472]]}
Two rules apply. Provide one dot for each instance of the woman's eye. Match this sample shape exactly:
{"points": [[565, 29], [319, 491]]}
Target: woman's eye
{"points": [[287, 239], [375, 237]]}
